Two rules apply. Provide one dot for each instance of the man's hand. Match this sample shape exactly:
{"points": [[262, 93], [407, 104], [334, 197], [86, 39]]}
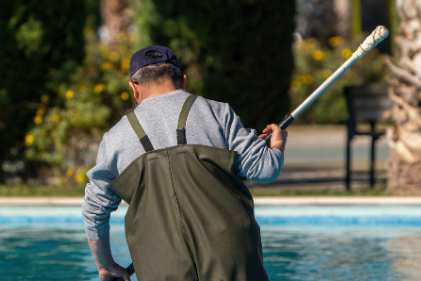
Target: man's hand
{"points": [[278, 139], [107, 267], [115, 270]]}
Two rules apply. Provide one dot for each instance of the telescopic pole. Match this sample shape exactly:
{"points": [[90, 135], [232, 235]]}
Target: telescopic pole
{"points": [[378, 35]]}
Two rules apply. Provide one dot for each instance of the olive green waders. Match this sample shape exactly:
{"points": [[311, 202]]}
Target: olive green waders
{"points": [[190, 217]]}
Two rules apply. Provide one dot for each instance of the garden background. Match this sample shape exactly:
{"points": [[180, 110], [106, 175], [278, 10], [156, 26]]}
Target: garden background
{"points": [[64, 71]]}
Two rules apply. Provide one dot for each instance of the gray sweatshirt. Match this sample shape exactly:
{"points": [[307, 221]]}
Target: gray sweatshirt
{"points": [[209, 123]]}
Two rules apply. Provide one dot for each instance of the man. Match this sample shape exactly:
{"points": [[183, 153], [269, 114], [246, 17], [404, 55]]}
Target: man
{"points": [[210, 129]]}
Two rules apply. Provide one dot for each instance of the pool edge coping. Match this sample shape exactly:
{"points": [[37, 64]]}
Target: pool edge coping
{"points": [[257, 200]]}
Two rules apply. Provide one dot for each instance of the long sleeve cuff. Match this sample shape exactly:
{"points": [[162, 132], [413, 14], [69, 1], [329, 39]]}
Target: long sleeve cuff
{"points": [[270, 157]]}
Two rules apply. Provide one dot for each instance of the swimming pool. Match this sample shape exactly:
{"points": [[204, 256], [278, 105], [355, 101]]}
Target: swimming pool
{"points": [[300, 242]]}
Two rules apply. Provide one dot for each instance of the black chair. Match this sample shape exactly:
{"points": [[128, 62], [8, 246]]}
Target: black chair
{"points": [[365, 103]]}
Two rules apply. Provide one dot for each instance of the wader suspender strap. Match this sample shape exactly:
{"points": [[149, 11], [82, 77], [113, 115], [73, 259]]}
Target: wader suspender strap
{"points": [[181, 127], [144, 140], [181, 130]]}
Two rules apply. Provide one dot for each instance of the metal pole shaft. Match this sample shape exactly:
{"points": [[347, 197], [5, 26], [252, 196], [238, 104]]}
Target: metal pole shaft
{"points": [[310, 99], [326, 84]]}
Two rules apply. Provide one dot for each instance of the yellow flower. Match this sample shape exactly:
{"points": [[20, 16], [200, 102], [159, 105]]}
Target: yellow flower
{"points": [[70, 94], [123, 49], [70, 172], [336, 41], [99, 88], [125, 65], [40, 112], [106, 66], [29, 139], [333, 42], [295, 85], [80, 178], [105, 55], [346, 53], [134, 37], [309, 79], [301, 79], [305, 79], [87, 31], [310, 48], [55, 117], [38, 119], [114, 56], [124, 96], [327, 73], [121, 37], [44, 98], [82, 88], [319, 55], [312, 40]]}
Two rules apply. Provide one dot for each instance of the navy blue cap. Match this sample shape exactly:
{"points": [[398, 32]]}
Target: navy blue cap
{"points": [[149, 55]]}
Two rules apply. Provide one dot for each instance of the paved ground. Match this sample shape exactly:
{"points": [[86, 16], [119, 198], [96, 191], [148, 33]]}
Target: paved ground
{"points": [[326, 144], [315, 160]]}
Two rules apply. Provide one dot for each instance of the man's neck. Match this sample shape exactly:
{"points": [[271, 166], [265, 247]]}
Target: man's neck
{"points": [[156, 90]]}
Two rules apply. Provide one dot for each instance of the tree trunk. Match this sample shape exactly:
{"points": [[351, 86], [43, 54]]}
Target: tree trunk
{"points": [[405, 92], [343, 18], [115, 19]]}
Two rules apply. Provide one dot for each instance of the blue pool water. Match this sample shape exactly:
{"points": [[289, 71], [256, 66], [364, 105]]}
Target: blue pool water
{"points": [[302, 242]]}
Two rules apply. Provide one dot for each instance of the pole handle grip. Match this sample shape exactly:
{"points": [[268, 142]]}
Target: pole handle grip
{"points": [[377, 36], [130, 270], [283, 125]]}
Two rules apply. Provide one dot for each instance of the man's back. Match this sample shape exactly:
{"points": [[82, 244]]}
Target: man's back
{"points": [[208, 123]]}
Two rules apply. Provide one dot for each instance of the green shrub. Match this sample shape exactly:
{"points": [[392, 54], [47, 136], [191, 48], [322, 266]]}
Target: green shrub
{"points": [[36, 38], [93, 98]]}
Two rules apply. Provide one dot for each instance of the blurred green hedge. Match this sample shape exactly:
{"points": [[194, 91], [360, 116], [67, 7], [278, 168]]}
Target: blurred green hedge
{"points": [[235, 51]]}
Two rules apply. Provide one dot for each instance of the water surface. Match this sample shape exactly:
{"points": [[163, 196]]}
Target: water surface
{"points": [[299, 242]]}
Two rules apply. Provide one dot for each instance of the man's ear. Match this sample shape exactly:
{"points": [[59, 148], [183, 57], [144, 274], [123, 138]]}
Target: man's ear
{"points": [[183, 80], [135, 91]]}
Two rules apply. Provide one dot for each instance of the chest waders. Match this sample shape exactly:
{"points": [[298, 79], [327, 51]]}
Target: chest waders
{"points": [[190, 217]]}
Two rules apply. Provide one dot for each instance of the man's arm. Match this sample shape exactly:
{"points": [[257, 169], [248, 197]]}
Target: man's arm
{"points": [[257, 161], [107, 267], [99, 202]]}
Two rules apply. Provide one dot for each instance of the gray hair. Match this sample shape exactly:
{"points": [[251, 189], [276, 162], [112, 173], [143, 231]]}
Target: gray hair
{"points": [[156, 74]]}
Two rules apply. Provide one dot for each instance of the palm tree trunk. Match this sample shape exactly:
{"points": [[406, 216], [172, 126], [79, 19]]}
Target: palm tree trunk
{"points": [[405, 92]]}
